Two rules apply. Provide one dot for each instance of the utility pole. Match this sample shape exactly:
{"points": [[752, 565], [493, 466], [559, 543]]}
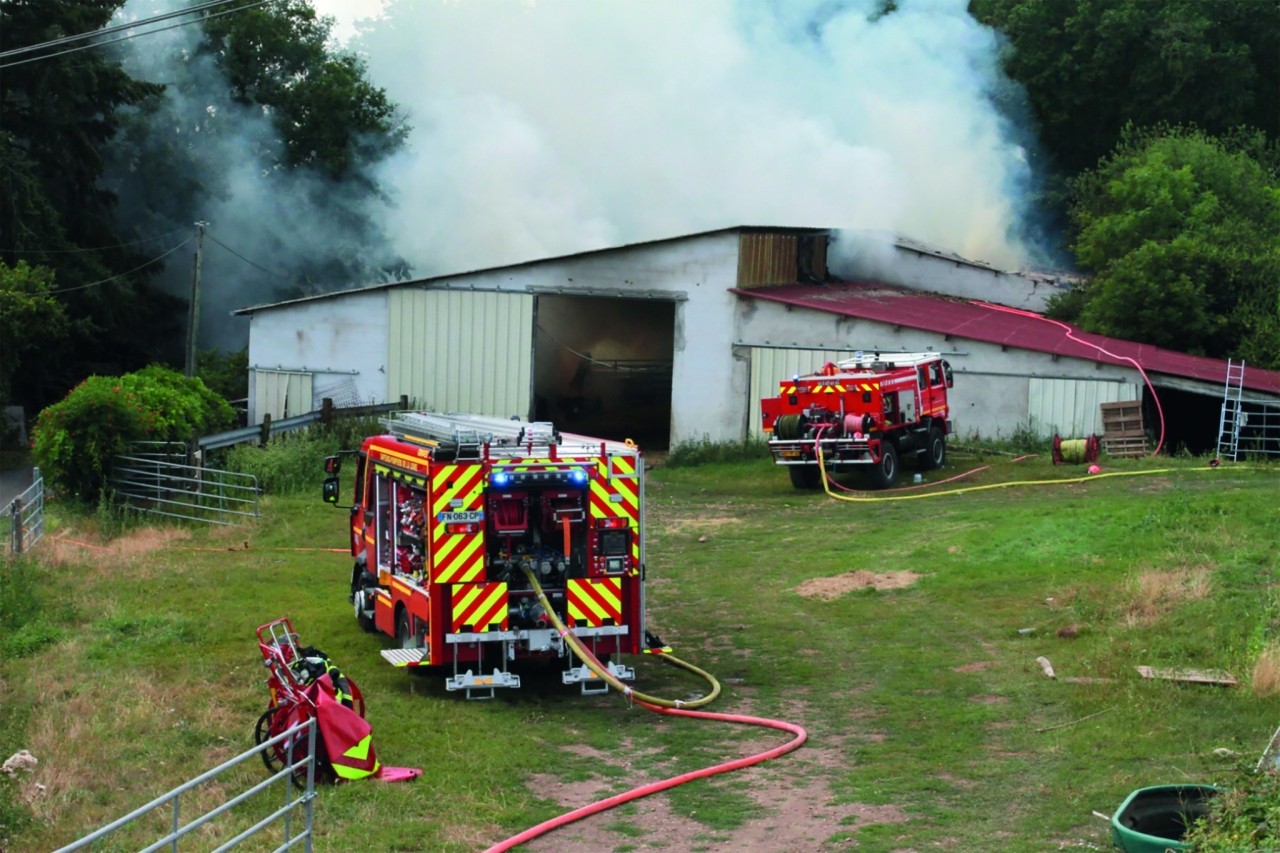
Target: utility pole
{"points": [[193, 310]]}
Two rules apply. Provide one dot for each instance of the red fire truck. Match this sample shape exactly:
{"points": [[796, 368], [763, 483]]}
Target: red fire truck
{"points": [[450, 512], [867, 412]]}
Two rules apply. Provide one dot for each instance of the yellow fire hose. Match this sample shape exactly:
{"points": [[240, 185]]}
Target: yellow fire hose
{"points": [[826, 483], [593, 663]]}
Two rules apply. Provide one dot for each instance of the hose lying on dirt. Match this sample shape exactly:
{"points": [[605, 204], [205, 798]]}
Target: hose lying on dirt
{"points": [[671, 707]]}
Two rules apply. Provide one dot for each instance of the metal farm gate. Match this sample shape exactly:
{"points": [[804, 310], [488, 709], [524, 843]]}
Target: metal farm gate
{"points": [[156, 478], [26, 516]]}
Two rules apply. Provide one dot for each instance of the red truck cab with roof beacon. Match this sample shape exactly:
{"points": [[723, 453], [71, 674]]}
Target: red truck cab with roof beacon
{"points": [[458, 519], [868, 412]]}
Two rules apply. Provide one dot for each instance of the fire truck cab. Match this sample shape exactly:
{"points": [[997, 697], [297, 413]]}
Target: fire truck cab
{"points": [[867, 412], [448, 513]]}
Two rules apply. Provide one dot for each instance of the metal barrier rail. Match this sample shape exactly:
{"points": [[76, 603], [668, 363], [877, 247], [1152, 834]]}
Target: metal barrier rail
{"points": [[208, 495], [26, 516], [284, 814]]}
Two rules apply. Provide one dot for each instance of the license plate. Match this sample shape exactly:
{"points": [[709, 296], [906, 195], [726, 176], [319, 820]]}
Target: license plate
{"points": [[789, 454], [460, 517]]}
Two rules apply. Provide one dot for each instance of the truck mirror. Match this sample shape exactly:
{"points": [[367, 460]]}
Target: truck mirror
{"points": [[330, 490], [332, 464], [946, 371]]}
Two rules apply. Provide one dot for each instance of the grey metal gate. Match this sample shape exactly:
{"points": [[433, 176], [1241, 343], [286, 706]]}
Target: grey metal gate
{"points": [[153, 482], [293, 801], [26, 516]]}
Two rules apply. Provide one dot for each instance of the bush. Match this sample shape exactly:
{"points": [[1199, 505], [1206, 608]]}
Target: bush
{"points": [[76, 438], [1244, 817]]}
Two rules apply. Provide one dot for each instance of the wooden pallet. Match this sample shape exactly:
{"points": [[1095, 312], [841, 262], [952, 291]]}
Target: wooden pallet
{"points": [[1123, 433]]}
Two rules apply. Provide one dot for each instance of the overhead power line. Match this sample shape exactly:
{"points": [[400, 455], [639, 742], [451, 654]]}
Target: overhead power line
{"points": [[104, 31], [156, 259], [246, 260], [81, 249], [127, 37]]}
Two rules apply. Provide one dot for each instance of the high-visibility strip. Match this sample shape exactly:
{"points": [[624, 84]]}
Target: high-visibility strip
{"points": [[594, 602], [456, 557], [482, 606]]}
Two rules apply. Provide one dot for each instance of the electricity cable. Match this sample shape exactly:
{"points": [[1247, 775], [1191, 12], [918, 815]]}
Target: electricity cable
{"points": [[115, 28], [123, 274], [133, 36], [79, 250], [246, 260]]}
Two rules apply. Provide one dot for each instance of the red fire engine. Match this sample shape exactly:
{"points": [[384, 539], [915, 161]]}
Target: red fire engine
{"points": [[449, 513], [865, 412]]}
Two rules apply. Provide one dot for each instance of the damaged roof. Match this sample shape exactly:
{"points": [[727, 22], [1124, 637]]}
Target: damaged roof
{"points": [[996, 324]]}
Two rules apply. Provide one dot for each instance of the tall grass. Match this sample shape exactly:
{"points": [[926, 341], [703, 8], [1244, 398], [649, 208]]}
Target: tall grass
{"points": [[293, 462], [923, 702]]}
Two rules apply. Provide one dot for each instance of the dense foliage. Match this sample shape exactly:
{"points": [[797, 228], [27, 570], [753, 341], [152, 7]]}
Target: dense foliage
{"points": [[109, 154], [1179, 229], [1091, 67], [75, 439], [1244, 817]]}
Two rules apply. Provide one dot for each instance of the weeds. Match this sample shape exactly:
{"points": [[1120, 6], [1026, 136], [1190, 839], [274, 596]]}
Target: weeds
{"points": [[690, 454], [1244, 817]]}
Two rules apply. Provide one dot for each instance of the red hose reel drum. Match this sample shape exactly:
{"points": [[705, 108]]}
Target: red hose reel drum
{"points": [[1075, 451]]}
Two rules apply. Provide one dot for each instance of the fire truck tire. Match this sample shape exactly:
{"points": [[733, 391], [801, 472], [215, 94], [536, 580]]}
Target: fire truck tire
{"points": [[936, 451], [365, 622], [805, 477], [404, 638], [885, 472]]}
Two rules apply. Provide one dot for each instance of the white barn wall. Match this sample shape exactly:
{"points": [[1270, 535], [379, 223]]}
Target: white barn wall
{"points": [[327, 338], [710, 386]]}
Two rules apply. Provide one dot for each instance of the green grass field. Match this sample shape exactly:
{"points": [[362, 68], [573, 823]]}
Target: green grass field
{"points": [[903, 634]]}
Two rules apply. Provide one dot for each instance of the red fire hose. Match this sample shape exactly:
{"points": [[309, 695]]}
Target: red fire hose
{"points": [[659, 706]]}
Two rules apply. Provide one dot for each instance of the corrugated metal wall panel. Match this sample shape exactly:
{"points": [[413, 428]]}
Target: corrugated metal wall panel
{"points": [[461, 351], [1072, 407], [282, 394], [770, 365]]}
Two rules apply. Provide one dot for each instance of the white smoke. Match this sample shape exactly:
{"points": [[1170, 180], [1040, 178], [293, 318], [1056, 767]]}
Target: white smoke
{"points": [[546, 128]]}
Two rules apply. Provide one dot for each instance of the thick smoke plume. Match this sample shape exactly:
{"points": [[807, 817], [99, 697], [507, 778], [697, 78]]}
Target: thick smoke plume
{"points": [[545, 128]]}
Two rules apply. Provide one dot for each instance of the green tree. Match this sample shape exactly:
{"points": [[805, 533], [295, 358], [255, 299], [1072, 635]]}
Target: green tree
{"points": [[1092, 66], [58, 112], [1179, 229], [29, 317]]}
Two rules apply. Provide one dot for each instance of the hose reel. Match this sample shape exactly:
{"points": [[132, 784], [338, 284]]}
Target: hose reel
{"points": [[1075, 451]]}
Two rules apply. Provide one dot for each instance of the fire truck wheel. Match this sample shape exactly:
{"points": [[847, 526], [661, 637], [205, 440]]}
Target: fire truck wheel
{"points": [[936, 455], [404, 638], [885, 473], [804, 476], [365, 622]]}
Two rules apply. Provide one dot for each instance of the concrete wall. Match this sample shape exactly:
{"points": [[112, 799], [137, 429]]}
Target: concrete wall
{"points": [[328, 337], [868, 256], [991, 396], [709, 386]]}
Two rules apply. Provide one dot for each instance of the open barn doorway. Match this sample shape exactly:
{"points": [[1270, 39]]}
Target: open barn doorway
{"points": [[602, 366]]}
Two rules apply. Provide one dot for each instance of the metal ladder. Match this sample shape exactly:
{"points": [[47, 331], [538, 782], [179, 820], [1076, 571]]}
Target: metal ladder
{"points": [[1232, 418], [468, 432]]}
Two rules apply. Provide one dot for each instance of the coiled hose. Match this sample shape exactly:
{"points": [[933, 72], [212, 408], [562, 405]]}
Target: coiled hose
{"points": [[672, 707]]}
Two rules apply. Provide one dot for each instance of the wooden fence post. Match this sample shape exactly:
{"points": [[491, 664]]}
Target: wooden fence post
{"points": [[266, 429], [326, 411]]}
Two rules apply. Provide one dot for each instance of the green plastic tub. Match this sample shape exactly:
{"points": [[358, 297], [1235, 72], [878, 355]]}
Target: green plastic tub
{"points": [[1153, 820]]}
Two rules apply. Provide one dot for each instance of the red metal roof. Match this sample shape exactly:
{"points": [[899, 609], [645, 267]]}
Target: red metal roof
{"points": [[964, 318]]}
